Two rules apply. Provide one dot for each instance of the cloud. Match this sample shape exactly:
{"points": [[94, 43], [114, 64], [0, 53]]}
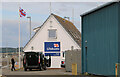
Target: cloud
{"points": [[57, 0], [10, 32], [39, 11], [43, 7]]}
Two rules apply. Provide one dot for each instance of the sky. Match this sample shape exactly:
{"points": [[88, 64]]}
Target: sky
{"points": [[39, 12]]}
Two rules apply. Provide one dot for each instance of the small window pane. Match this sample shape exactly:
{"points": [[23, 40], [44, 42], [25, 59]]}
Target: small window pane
{"points": [[52, 33]]}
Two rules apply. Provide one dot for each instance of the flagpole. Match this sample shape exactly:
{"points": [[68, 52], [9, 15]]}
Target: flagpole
{"points": [[73, 15], [20, 12], [50, 7], [19, 41]]}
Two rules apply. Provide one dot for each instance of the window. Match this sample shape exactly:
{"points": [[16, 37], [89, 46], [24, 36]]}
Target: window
{"points": [[32, 48], [63, 54], [52, 33]]}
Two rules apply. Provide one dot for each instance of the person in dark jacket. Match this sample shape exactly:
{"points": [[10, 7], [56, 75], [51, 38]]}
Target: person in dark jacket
{"points": [[13, 63]]}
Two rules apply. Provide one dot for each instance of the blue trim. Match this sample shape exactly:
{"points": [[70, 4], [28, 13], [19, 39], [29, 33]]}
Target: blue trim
{"points": [[52, 54]]}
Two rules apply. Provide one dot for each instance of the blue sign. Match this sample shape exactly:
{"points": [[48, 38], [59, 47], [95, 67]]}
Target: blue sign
{"points": [[52, 46], [52, 54]]}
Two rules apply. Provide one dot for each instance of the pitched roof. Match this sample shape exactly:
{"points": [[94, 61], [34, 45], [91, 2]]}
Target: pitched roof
{"points": [[68, 26]]}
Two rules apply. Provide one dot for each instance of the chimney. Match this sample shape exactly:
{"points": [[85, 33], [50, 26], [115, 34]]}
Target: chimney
{"points": [[67, 18]]}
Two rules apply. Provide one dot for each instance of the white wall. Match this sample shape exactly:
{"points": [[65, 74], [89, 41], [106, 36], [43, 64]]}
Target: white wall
{"points": [[42, 36]]}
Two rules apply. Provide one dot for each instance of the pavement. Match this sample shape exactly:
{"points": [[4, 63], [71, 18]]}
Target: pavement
{"points": [[6, 71]]}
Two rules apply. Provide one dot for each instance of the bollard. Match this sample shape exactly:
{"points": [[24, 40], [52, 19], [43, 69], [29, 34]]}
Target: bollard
{"points": [[74, 69]]}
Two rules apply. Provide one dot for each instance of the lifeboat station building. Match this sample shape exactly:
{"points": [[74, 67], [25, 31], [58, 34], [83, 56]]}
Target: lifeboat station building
{"points": [[54, 37]]}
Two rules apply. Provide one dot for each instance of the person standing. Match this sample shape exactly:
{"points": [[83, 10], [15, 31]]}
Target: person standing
{"points": [[13, 64]]}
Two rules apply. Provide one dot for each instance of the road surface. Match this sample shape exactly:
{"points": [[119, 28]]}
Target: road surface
{"points": [[62, 71]]}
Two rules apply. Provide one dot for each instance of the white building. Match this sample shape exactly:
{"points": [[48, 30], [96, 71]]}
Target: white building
{"points": [[53, 37]]}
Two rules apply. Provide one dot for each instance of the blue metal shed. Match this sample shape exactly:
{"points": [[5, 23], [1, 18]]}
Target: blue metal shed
{"points": [[100, 39]]}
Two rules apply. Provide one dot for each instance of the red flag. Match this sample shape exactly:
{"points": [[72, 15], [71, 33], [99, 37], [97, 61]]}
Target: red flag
{"points": [[22, 12]]}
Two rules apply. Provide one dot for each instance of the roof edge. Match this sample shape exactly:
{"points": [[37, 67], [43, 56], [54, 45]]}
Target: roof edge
{"points": [[66, 30], [35, 33], [99, 7]]}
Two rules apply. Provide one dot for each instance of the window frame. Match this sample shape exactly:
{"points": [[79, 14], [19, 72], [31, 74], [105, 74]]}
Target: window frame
{"points": [[55, 34]]}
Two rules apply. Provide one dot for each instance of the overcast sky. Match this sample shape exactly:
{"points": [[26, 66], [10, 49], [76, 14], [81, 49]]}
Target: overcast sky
{"points": [[39, 11]]}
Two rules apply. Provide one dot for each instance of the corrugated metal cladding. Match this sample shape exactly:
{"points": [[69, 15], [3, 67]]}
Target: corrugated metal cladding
{"points": [[119, 33], [100, 39]]}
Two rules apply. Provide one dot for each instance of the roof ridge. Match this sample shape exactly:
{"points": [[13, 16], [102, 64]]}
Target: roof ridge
{"points": [[65, 19], [61, 17]]}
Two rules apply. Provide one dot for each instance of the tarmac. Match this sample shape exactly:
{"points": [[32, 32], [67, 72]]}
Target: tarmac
{"points": [[6, 71]]}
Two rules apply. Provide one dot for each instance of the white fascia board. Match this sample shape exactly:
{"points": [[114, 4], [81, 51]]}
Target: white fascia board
{"points": [[32, 51]]}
